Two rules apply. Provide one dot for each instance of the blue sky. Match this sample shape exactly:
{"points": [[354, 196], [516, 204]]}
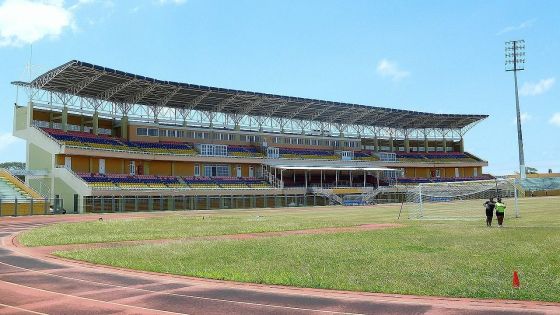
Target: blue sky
{"points": [[437, 56]]}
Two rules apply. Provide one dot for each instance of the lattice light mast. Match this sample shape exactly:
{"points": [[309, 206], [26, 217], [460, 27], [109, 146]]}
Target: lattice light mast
{"points": [[515, 61]]}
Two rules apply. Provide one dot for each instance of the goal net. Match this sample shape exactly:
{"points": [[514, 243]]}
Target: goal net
{"points": [[459, 200]]}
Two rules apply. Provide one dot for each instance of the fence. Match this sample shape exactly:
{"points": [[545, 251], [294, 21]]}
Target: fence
{"points": [[101, 204], [30, 206]]}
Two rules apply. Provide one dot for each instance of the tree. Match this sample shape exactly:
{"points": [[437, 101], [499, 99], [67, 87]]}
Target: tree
{"points": [[13, 165], [531, 170]]}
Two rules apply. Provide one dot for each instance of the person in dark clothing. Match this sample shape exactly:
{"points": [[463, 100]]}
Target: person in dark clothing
{"points": [[489, 205]]}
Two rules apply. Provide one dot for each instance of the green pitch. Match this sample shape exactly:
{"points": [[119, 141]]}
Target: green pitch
{"points": [[444, 258]]}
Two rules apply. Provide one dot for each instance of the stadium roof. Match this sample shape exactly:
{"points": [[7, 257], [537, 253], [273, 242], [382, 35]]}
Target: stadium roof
{"points": [[96, 82]]}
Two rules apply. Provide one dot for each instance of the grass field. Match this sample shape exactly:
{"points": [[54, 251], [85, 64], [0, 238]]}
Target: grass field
{"points": [[443, 258]]}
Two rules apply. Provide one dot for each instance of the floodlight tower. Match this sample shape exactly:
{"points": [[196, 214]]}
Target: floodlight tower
{"points": [[515, 60]]}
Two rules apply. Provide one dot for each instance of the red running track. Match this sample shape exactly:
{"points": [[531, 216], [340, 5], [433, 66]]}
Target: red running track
{"points": [[35, 283]]}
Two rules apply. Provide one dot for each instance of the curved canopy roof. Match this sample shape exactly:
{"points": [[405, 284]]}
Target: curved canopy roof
{"points": [[96, 82]]}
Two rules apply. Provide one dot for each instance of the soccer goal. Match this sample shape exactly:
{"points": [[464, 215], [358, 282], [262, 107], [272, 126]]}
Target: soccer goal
{"points": [[459, 200]]}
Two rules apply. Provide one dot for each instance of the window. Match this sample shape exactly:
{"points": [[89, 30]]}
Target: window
{"points": [[213, 150], [347, 155], [251, 171], [201, 135], [153, 132], [132, 168], [197, 170], [475, 171], [276, 140], [216, 170], [272, 153], [250, 138], [223, 136], [456, 172], [314, 141], [142, 131], [101, 166], [238, 171]]}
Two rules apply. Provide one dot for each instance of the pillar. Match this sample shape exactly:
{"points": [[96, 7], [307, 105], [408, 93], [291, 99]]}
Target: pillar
{"points": [[376, 144], [82, 123], [406, 144], [461, 145], [30, 114], [65, 118], [124, 127], [444, 144], [391, 144], [95, 123], [425, 143], [237, 129], [51, 119]]}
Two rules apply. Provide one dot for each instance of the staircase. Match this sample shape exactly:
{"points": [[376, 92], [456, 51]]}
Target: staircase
{"points": [[9, 191], [16, 198], [369, 197], [329, 194]]}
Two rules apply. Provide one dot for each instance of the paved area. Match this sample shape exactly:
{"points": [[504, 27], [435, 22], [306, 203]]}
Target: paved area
{"points": [[34, 282]]}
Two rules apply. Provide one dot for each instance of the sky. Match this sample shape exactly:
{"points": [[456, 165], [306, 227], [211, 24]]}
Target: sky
{"points": [[433, 56]]}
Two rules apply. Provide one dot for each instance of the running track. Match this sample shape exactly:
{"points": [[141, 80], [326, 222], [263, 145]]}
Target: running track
{"points": [[35, 283]]}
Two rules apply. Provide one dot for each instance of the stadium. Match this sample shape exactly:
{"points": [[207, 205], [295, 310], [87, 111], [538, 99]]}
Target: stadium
{"points": [[103, 140], [302, 206]]}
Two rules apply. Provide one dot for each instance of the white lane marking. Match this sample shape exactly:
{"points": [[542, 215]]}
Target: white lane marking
{"points": [[168, 293], [22, 309], [94, 300]]}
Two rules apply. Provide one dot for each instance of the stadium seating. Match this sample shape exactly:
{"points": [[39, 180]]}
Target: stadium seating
{"points": [[243, 151], [435, 157], [88, 140], [163, 147], [441, 179], [9, 190], [289, 153], [541, 184], [128, 182], [365, 156], [104, 142]]}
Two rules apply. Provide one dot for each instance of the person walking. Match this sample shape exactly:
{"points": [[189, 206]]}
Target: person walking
{"points": [[500, 209], [489, 205]]}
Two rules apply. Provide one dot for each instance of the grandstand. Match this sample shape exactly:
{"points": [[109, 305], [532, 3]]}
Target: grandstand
{"points": [[106, 140]]}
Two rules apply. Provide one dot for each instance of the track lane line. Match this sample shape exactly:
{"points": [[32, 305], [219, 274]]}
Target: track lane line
{"points": [[165, 293], [22, 309], [92, 300]]}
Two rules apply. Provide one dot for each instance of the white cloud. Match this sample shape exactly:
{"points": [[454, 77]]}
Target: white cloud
{"points": [[555, 119], [531, 88], [525, 117], [176, 2], [6, 140], [387, 68], [511, 28], [25, 22]]}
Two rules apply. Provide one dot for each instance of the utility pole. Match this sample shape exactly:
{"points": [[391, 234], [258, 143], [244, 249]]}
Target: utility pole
{"points": [[515, 60]]}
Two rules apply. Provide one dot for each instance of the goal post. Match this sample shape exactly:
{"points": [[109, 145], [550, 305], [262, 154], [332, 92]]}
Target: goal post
{"points": [[459, 200]]}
